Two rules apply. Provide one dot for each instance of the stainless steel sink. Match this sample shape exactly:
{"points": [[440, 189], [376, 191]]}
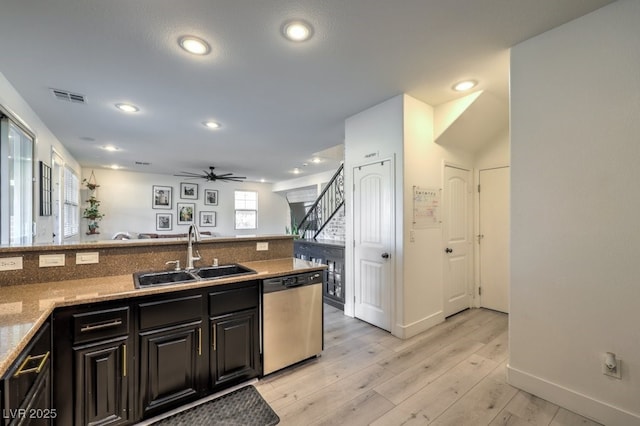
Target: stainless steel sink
{"points": [[149, 279], [223, 271]]}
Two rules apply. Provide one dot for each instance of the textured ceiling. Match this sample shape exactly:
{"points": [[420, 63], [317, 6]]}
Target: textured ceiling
{"points": [[278, 102]]}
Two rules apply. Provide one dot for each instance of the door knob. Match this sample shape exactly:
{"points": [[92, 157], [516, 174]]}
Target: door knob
{"points": [[448, 250], [385, 255]]}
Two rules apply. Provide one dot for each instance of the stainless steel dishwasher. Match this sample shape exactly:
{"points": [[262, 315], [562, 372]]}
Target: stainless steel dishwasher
{"points": [[292, 319]]}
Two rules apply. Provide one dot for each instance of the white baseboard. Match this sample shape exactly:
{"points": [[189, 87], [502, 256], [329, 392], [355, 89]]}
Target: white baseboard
{"points": [[571, 400], [417, 327]]}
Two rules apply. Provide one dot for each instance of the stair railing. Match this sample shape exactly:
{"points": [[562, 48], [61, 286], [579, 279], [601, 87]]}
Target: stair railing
{"points": [[330, 200]]}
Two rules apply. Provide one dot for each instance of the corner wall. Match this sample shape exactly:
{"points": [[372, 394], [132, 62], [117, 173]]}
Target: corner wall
{"points": [[575, 239], [44, 144]]}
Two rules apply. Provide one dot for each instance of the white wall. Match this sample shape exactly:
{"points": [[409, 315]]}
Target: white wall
{"points": [[402, 128], [11, 100], [126, 201], [575, 238], [371, 135]]}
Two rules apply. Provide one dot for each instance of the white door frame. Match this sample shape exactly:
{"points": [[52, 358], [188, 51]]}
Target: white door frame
{"points": [[476, 231], [350, 283]]}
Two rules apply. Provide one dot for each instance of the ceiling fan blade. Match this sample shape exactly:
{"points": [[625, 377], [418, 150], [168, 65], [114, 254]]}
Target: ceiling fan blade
{"points": [[223, 175], [188, 174]]}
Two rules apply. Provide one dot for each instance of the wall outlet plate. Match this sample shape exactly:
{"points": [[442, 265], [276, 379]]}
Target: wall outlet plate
{"points": [[262, 246], [87, 258], [616, 372], [10, 263], [48, 260]]}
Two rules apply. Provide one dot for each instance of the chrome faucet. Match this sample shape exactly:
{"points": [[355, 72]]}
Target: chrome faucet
{"points": [[193, 236]]}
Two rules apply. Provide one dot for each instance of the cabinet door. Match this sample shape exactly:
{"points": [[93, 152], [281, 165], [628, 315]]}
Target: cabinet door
{"points": [[235, 355], [170, 367], [101, 373]]}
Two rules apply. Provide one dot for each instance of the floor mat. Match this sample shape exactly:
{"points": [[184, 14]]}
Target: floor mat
{"points": [[242, 407]]}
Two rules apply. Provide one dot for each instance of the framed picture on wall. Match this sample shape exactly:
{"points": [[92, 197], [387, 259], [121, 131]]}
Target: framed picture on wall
{"points": [[207, 219], [161, 197], [164, 221], [186, 213], [210, 197], [189, 191]]}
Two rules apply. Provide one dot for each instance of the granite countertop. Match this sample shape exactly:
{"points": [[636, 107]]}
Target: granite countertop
{"points": [[24, 308]]}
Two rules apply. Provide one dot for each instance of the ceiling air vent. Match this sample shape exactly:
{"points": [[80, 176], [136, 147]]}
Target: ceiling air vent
{"points": [[63, 95], [142, 163]]}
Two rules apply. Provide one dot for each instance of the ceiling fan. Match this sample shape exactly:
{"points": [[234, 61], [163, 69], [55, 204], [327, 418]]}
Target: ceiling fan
{"points": [[210, 176]]}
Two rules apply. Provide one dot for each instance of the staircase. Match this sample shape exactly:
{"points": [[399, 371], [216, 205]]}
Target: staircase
{"points": [[324, 208]]}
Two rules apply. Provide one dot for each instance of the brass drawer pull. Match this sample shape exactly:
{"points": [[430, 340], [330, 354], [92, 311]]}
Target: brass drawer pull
{"points": [[43, 360], [214, 337], [124, 360], [93, 327], [199, 340]]}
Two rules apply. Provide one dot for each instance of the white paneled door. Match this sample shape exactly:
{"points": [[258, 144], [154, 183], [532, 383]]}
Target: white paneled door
{"points": [[494, 239], [373, 215], [457, 237]]}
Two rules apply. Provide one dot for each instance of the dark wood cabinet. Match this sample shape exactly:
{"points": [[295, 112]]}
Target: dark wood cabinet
{"points": [[235, 334], [116, 363], [101, 376], [93, 362], [25, 390], [331, 254], [172, 357], [234, 348]]}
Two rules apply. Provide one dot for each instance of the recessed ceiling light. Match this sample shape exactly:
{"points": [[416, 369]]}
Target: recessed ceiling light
{"points": [[110, 148], [263, 180], [114, 166], [127, 107], [464, 85], [297, 30], [296, 171], [211, 124], [316, 160], [194, 45]]}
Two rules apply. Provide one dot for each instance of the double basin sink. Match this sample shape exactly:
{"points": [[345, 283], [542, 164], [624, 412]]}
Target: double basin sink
{"points": [[152, 279]]}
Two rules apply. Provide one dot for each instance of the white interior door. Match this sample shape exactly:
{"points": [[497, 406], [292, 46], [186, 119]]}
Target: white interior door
{"points": [[494, 239], [373, 213], [457, 236]]}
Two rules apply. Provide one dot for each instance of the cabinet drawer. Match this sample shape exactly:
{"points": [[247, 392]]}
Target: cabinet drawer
{"points": [[227, 300], [171, 311], [29, 369], [98, 325]]}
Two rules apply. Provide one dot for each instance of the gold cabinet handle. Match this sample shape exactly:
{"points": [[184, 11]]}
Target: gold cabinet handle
{"points": [[92, 327], [43, 360], [199, 340], [124, 360]]}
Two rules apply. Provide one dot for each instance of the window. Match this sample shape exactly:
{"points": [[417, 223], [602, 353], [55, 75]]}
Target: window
{"points": [[16, 184], [70, 213], [246, 205]]}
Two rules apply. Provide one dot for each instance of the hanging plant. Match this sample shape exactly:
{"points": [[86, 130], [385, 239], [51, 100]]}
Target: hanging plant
{"points": [[93, 211]]}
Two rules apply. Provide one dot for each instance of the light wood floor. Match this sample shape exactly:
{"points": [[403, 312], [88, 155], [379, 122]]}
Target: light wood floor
{"points": [[452, 374]]}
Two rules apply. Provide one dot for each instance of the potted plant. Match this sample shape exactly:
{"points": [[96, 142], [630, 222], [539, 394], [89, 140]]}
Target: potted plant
{"points": [[92, 213]]}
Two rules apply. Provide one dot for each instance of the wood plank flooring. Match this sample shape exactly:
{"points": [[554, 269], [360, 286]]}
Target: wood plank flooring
{"points": [[452, 374]]}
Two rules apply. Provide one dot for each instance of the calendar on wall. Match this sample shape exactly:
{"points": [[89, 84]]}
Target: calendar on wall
{"points": [[426, 207]]}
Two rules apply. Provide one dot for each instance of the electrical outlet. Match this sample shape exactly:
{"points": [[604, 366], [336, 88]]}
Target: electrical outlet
{"points": [[262, 246], [10, 263], [612, 366], [48, 260], [87, 258]]}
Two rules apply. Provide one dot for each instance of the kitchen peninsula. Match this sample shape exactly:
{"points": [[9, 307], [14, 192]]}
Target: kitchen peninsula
{"points": [[77, 292]]}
